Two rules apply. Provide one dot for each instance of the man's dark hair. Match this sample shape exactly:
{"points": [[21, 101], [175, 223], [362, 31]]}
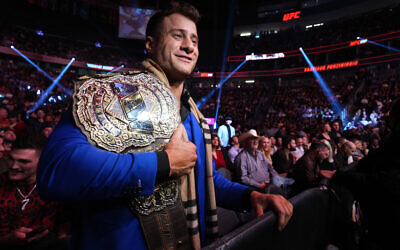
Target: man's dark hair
{"points": [[32, 141], [179, 7], [286, 140], [318, 145]]}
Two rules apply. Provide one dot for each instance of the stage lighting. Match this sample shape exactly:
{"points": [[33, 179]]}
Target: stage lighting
{"points": [[39, 32]]}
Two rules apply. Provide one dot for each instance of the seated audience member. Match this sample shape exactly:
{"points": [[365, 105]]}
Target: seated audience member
{"points": [[336, 132], [234, 149], [345, 157], [264, 145], [299, 152], [9, 138], [3, 160], [375, 183], [358, 153], [4, 122], [324, 136], [253, 167], [283, 159], [307, 172], [274, 148], [217, 154], [22, 209], [47, 130]]}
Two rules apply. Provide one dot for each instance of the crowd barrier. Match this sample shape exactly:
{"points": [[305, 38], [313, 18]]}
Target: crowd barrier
{"points": [[311, 227]]}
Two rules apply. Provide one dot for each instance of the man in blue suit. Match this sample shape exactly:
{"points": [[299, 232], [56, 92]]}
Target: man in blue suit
{"points": [[100, 181]]}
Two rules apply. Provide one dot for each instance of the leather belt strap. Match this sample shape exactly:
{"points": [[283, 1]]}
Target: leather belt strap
{"points": [[162, 218]]}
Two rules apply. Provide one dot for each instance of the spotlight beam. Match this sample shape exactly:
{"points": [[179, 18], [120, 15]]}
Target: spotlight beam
{"points": [[220, 90], [40, 70], [50, 88], [379, 44], [116, 69], [325, 88]]}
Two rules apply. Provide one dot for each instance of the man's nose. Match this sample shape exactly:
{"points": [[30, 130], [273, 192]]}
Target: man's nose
{"points": [[187, 45]]}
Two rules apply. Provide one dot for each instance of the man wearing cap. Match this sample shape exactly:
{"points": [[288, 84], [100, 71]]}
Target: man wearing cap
{"points": [[252, 166], [226, 131]]}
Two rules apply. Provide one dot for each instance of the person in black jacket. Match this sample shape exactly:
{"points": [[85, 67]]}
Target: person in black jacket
{"points": [[375, 183]]}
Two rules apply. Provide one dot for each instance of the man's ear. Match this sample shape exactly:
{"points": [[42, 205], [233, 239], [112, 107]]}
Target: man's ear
{"points": [[149, 44]]}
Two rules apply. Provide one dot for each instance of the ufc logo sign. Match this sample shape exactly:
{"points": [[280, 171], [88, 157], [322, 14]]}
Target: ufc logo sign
{"points": [[292, 15]]}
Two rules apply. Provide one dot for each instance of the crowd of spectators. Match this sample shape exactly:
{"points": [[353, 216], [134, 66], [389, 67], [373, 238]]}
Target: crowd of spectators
{"points": [[299, 136]]}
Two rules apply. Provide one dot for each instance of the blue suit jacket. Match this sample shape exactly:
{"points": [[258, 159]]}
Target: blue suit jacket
{"points": [[71, 169]]}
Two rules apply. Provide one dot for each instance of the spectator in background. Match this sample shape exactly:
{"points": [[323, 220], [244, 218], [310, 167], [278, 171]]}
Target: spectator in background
{"points": [[358, 154], [36, 122], [264, 145], [234, 149], [22, 208], [226, 131], [345, 156], [47, 130], [328, 163], [274, 148], [375, 183], [253, 167], [4, 123], [336, 131], [299, 152], [307, 172], [283, 159], [3, 160], [217, 154], [8, 140]]}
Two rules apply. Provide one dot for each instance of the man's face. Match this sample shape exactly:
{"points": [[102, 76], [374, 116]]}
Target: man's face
{"points": [[252, 144], [336, 126], [175, 49], [299, 142], [23, 165], [327, 128], [350, 149], [235, 140], [358, 144], [292, 145]]}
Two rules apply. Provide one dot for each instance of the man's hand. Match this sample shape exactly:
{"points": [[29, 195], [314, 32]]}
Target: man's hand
{"points": [[18, 236], [181, 154], [282, 207], [262, 185]]}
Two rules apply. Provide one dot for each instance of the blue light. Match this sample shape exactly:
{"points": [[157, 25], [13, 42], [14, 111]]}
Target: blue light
{"points": [[50, 88], [118, 68], [204, 99], [97, 44], [59, 97], [39, 69], [38, 92], [28, 87], [380, 45], [39, 32], [328, 93]]}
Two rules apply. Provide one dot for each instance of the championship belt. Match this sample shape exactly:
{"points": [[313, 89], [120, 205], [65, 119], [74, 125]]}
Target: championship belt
{"points": [[136, 112]]}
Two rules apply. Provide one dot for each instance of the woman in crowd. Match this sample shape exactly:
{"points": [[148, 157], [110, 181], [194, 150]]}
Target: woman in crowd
{"points": [[264, 145], [217, 154]]}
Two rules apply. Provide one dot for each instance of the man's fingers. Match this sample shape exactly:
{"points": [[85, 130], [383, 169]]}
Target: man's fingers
{"points": [[285, 212]]}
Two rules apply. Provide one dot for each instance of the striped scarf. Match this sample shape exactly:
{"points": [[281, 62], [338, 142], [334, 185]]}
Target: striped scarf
{"points": [[187, 182]]}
